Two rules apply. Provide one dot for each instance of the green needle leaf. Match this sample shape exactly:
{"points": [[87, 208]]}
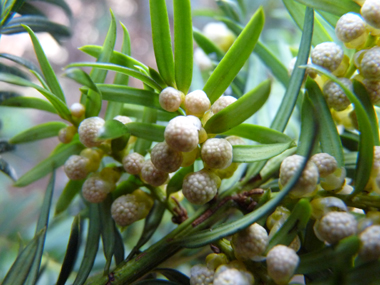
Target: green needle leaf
{"points": [[329, 138], [46, 68], [183, 44], [29, 102], [162, 43], [22, 61], [240, 110], [207, 45], [147, 131], [38, 132], [234, 59], [252, 153], [332, 6], [71, 189]]}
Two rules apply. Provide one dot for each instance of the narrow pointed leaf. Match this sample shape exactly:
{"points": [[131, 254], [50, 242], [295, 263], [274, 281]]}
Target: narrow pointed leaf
{"points": [[252, 153], [71, 189], [13, 70], [112, 129], [60, 3], [240, 110], [7, 169], [329, 138], [334, 7], [206, 44], [183, 44], [29, 102], [22, 61], [288, 102], [117, 58], [58, 104], [92, 244], [131, 72], [42, 131], [306, 120], [147, 131], [174, 275], [367, 139], [42, 225], [235, 58], [46, 68], [162, 43], [257, 133], [119, 251], [71, 251], [46, 166], [107, 231], [20, 269]]}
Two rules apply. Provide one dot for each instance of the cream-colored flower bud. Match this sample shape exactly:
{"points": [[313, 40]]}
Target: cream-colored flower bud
{"points": [[133, 163], [325, 162], [77, 110], [152, 175], [201, 275], [222, 102], [308, 181], [323, 205], [200, 187], [373, 89], [327, 55], [350, 27], [371, 13], [65, 135], [76, 167], [219, 34], [370, 247], [171, 99], [165, 158], [123, 119], [335, 226], [88, 131], [335, 96], [217, 153], [250, 242], [197, 103], [95, 189], [229, 275], [282, 262], [370, 64], [181, 134]]}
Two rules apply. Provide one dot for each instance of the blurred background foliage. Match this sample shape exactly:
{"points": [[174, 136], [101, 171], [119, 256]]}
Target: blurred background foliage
{"points": [[88, 21]]}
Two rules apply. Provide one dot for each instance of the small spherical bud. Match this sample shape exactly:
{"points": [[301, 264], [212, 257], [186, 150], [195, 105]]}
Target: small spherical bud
{"points": [[95, 189], [88, 131], [222, 103], [197, 103], [335, 96], [123, 119], [165, 158], [349, 27], [325, 162], [219, 34], [201, 275], [229, 275], [202, 59], [307, 183], [282, 262], [170, 99], [195, 121], [127, 209], [370, 248], [133, 163], [235, 140], [373, 89], [152, 175], [335, 226], [200, 187], [371, 13], [250, 242], [370, 64], [217, 153], [181, 134], [77, 110], [76, 167], [66, 135], [328, 55], [321, 206]]}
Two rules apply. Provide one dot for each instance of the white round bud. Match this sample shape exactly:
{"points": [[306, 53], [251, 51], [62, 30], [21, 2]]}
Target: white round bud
{"points": [[200, 187], [325, 162], [88, 131], [125, 210], [77, 110], [370, 239], [133, 163], [197, 103], [217, 153], [170, 99], [123, 119], [373, 89], [370, 64], [282, 262], [181, 134], [201, 275], [335, 96], [95, 189], [219, 34], [229, 275], [222, 102], [328, 55], [76, 167], [371, 13], [350, 27], [152, 175], [165, 158]]}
